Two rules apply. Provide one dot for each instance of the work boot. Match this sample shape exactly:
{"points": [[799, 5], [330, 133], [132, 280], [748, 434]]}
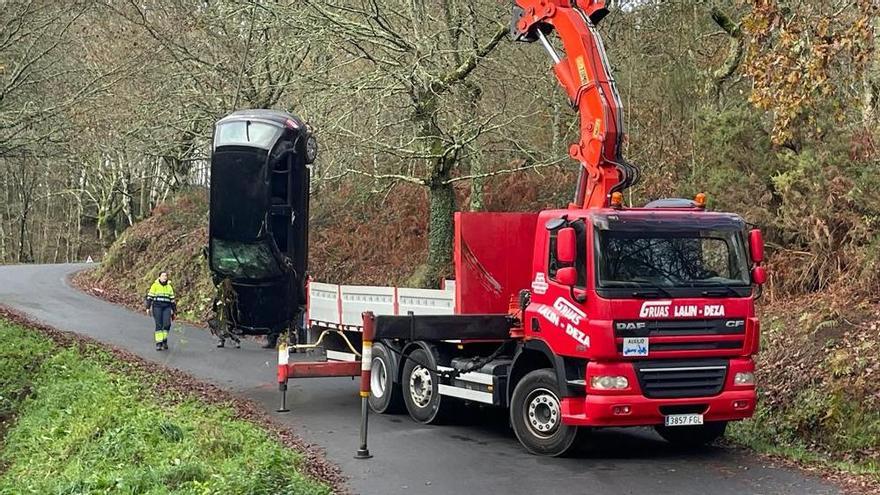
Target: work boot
{"points": [[221, 343], [158, 346], [165, 345]]}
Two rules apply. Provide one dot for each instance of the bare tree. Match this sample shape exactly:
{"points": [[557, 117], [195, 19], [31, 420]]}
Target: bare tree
{"points": [[413, 110]]}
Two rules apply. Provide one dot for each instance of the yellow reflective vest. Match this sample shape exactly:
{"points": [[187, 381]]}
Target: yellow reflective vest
{"points": [[161, 295]]}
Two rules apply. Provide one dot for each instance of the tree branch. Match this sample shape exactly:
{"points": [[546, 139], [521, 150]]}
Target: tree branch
{"points": [[735, 51], [468, 66], [404, 178], [522, 167]]}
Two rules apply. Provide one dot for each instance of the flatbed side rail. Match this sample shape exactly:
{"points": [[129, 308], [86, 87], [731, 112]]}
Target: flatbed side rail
{"points": [[340, 306]]}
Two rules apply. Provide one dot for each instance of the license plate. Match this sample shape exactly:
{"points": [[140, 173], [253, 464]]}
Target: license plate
{"points": [[684, 419]]}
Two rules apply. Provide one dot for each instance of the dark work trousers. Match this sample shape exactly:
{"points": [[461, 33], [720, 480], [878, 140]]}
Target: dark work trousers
{"points": [[162, 317]]}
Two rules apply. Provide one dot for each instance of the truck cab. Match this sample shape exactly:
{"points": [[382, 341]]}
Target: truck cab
{"points": [[651, 311]]}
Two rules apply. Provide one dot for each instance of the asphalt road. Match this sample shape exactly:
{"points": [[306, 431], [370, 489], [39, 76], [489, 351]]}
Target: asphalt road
{"points": [[474, 455]]}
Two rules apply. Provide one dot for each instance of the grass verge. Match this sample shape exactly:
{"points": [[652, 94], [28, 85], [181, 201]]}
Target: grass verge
{"points": [[77, 420]]}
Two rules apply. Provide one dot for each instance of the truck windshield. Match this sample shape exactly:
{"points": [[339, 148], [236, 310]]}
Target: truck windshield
{"points": [[674, 259], [240, 260]]}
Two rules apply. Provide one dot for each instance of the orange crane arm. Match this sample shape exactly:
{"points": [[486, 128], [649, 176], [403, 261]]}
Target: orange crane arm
{"points": [[584, 73]]}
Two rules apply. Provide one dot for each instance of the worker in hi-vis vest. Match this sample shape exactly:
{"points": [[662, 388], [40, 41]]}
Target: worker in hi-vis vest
{"points": [[160, 300]]}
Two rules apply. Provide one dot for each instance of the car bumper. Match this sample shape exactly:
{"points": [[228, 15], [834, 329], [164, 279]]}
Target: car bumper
{"points": [[637, 410]]}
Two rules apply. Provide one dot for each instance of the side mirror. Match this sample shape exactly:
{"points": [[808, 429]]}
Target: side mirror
{"points": [[759, 275], [555, 223], [756, 245], [566, 247], [567, 276]]}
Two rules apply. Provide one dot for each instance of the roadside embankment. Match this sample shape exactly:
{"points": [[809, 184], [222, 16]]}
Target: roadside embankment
{"points": [[80, 417]]}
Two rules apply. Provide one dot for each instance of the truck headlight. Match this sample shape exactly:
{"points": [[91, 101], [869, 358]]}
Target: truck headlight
{"points": [[609, 382], [744, 378]]}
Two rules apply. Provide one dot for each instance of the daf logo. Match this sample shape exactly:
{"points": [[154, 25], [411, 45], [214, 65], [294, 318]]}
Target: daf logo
{"points": [[630, 325], [734, 323]]}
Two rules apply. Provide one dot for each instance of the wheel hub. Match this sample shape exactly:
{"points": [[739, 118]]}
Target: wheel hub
{"points": [[378, 375], [542, 413], [421, 386]]}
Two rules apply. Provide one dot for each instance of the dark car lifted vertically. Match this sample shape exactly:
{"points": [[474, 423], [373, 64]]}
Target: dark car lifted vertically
{"points": [[259, 212]]}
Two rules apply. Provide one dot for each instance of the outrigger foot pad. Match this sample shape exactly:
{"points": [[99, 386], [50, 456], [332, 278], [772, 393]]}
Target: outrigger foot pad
{"points": [[283, 408]]}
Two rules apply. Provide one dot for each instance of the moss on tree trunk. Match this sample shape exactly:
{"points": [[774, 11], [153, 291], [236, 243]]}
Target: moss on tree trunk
{"points": [[440, 232]]}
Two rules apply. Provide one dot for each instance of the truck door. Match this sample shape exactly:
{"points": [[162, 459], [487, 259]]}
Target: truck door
{"points": [[556, 316]]}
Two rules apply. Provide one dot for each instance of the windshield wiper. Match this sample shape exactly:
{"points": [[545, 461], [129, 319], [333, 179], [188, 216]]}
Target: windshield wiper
{"points": [[651, 291], [647, 289], [725, 290], [238, 262]]}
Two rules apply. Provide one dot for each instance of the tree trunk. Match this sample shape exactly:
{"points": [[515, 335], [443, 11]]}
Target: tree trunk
{"points": [[79, 230], [871, 82], [2, 238], [477, 185], [5, 217], [441, 196], [102, 224], [47, 220], [473, 160], [22, 230], [25, 196], [440, 233]]}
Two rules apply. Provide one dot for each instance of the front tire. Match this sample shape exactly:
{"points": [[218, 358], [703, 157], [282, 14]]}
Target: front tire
{"points": [[692, 436], [385, 395], [421, 388], [536, 415]]}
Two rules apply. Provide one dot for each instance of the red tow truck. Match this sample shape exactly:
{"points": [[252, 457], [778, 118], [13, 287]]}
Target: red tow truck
{"points": [[596, 315]]}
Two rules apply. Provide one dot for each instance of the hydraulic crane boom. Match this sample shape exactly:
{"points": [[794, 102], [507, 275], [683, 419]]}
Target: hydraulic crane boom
{"points": [[584, 73]]}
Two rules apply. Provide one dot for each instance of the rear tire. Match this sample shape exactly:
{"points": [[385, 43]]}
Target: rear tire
{"points": [[692, 436], [385, 395], [420, 389], [536, 415]]}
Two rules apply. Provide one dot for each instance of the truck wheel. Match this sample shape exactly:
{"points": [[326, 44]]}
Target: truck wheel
{"points": [[536, 415], [385, 395], [692, 436], [420, 388]]}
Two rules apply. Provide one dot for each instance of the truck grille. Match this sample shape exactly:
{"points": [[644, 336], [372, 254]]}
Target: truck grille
{"points": [[722, 336], [679, 379]]}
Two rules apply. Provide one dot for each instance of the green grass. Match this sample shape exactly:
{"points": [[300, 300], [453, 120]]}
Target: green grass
{"points": [[813, 435], [81, 428]]}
